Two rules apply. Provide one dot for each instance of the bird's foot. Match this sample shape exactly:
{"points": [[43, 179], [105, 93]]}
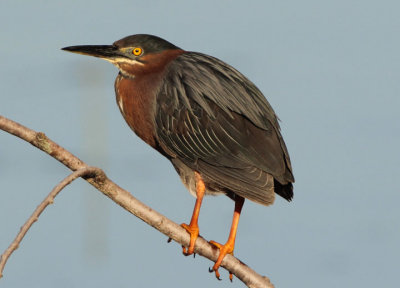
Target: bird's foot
{"points": [[193, 230], [223, 250]]}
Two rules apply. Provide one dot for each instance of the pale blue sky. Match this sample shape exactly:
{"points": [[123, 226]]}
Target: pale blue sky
{"points": [[331, 71]]}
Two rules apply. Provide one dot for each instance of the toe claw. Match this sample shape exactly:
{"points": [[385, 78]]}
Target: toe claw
{"points": [[217, 275], [184, 251]]}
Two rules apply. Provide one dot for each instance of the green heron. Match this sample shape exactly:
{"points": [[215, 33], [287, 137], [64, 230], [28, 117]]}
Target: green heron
{"points": [[214, 125]]}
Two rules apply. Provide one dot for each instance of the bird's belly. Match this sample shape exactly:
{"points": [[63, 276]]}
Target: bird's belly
{"points": [[188, 179]]}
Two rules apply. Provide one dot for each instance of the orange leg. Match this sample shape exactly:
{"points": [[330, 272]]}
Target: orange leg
{"points": [[230, 244], [193, 227]]}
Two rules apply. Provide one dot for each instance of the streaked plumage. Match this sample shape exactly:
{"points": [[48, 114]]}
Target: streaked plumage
{"points": [[212, 119]]}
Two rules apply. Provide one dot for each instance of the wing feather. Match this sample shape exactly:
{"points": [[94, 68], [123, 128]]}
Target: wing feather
{"points": [[218, 123]]}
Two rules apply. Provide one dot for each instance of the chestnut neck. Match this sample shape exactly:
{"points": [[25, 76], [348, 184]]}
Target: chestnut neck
{"points": [[136, 94]]}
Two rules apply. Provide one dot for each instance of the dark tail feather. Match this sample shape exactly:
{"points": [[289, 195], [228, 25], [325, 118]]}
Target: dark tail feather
{"points": [[286, 191]]}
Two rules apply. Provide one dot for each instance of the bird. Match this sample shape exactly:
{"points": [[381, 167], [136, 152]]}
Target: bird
{"points": [[214, 125]]}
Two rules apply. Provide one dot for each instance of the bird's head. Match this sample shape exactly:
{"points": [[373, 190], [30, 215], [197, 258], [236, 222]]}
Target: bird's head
{"points": [[133, 55]]}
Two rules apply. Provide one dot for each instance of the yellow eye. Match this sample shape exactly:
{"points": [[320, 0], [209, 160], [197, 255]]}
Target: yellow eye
{"points": [[137, 51]]}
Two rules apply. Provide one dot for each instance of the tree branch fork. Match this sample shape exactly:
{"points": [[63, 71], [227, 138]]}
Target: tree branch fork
{"points": [[101, 182]]}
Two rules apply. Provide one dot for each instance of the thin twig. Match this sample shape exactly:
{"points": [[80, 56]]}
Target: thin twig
{"points": [[123, 198], [87, 171]]}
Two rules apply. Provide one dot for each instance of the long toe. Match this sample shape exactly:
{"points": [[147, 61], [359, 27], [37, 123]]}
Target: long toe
{"points": [[223, 250], [194, 233]]}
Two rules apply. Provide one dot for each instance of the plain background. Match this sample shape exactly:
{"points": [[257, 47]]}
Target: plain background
{"points": [[331, 71]]}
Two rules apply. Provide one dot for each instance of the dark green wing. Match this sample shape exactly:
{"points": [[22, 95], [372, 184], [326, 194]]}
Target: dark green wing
{"points": [[218, 123]]}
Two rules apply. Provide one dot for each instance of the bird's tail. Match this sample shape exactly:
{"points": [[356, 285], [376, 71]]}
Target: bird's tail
{"points": [[286, 190]]}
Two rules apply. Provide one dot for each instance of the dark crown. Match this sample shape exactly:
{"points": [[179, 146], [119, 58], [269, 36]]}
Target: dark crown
{"points": [[150, 43]]}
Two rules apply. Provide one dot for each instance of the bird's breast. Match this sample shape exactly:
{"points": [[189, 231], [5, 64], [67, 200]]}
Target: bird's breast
{"points": [[136, 101]]}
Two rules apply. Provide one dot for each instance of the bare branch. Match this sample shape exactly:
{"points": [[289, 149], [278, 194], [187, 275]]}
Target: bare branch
{"points": [[137, 208], [88, 171]]}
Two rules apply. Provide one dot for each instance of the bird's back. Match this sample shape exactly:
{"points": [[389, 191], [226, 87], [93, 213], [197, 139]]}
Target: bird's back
{"points": [[211, 119]]}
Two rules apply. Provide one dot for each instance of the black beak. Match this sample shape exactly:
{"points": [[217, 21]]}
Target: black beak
{"points": [[101, 51]]}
